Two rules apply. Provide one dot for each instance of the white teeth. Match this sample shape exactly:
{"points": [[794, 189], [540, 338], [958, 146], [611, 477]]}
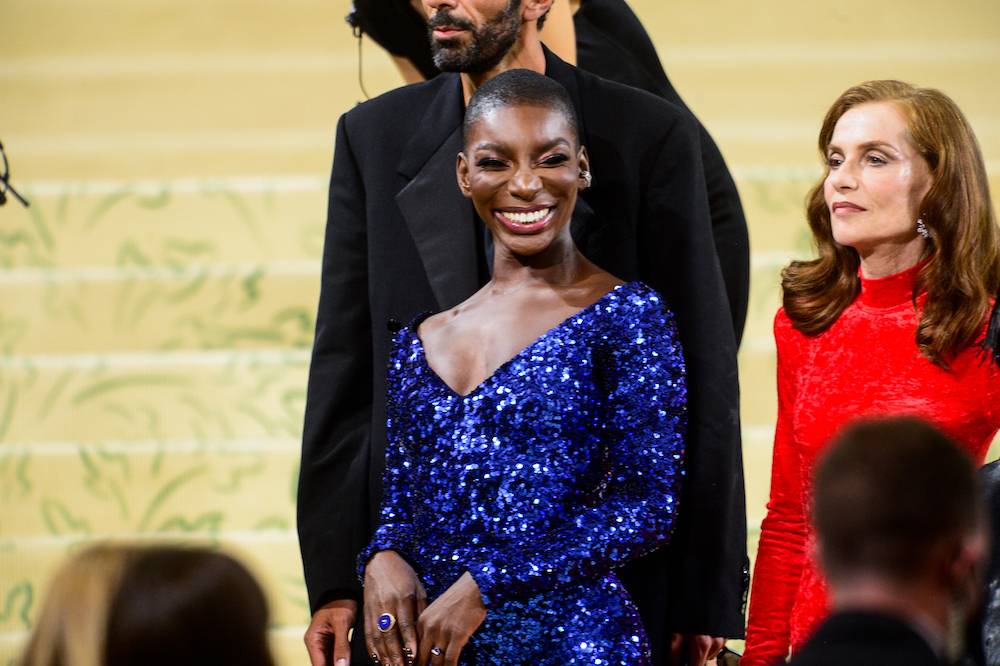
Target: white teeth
{"points": [[527, 218]]}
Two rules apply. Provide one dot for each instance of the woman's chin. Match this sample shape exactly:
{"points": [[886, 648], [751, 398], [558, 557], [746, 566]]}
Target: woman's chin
{"points": [[526, 246]]}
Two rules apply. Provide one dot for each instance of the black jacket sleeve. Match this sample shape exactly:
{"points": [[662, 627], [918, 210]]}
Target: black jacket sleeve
{"points": [[705, 567], [612, 43], [333, 477]]}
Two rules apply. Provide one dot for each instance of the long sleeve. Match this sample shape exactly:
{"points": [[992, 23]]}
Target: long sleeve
{"points": [[395, 528], [612, 43], [706, 572], [781, 553], [333, 479], [634, 509]]}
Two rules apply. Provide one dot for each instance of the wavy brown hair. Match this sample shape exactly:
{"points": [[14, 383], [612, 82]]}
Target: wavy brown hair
{"points": [[963, 269]]}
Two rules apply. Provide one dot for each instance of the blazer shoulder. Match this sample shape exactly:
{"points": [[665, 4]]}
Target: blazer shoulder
{"points": [[990, 476], [602, 96], [396, 104]]}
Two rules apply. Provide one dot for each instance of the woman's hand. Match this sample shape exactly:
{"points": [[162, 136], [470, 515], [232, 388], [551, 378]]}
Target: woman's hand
{"points": [[448, 623], [391, 586]]}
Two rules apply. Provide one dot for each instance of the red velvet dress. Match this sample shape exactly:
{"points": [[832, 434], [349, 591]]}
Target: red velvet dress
{"points": [[867, 363]]}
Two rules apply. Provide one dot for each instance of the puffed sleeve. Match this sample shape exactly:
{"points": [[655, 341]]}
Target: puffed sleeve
{"points": [[781, 553], [634, 509], [395, 529]]}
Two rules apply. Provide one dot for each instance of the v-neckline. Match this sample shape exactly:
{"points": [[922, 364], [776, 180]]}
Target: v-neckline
{"points": [[531, 345]]}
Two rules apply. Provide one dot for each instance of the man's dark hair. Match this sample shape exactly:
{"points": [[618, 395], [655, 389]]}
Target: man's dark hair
{"points": [[520, 87], [886, 492], [398, 28]]}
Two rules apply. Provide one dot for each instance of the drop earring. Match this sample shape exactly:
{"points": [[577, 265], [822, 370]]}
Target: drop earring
{"points": [[922, 229]]}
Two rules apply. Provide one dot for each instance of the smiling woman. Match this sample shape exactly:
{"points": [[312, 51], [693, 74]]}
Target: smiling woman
{"points": [[891, 318], [523, 185], [536, 430]]}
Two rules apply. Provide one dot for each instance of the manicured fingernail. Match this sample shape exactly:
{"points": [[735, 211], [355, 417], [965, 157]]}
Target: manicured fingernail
{"points": [[341, 662]]}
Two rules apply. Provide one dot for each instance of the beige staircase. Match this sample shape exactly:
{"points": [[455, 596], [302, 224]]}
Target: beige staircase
{"points": [[157, 299]]}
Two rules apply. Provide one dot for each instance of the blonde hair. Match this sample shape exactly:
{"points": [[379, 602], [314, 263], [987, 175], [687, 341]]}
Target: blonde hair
{"points": [[963, 271], [159, 605], [72, 627]]}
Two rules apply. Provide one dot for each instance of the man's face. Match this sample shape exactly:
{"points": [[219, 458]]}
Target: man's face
{"points": [[472, 36]]}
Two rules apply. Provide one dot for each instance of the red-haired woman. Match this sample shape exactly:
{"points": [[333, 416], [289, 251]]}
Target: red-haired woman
{"points": [[891, 318]]}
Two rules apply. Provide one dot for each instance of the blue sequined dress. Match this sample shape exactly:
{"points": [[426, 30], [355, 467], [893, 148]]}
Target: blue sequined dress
{"points": [[558, 468]]}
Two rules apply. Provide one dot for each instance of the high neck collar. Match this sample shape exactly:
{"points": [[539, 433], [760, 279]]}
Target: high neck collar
{"points": [[889, 291]]}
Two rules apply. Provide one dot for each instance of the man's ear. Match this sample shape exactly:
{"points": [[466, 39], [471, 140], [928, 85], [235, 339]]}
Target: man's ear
{"points": [[462, 173], [532, 10], [968, 556]]}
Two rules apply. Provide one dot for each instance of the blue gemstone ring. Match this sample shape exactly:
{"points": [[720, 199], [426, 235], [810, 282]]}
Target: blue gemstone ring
{"points": [[386, 621], [436, 651]]}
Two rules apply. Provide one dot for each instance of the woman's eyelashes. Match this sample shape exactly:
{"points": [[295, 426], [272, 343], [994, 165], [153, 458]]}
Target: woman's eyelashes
{"points": [[554, 160], [875, 159], [490, 163], [496, 163]]}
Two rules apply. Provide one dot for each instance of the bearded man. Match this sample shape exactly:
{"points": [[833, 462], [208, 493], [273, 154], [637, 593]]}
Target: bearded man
{"points": [[401, 239]]}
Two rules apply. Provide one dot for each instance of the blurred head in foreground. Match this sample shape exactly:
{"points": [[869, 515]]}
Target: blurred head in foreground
{"points": [[119, 605], [900, 524]]}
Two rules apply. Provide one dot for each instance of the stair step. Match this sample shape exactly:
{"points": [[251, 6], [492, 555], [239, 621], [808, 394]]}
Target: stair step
{"points": [[202, 488], [58, 311], [273, 558], [205, 396], [166, 224]]}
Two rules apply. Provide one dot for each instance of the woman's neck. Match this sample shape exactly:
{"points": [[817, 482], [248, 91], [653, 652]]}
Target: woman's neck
{"points": [[559, 265], [886, 260]]}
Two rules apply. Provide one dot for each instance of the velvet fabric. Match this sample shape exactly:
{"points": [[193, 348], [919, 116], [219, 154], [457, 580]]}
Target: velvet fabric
{"points": [[866, 364]]}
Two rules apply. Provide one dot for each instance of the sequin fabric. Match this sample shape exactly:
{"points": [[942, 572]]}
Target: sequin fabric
{"points": [[558, 468]]}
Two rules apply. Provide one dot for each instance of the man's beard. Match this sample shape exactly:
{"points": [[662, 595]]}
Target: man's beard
{"points": [[486, 48]]}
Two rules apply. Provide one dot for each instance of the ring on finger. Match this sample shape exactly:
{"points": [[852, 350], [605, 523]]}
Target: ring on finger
{"points": [[386, 621], [436, 651], [374, 656]]}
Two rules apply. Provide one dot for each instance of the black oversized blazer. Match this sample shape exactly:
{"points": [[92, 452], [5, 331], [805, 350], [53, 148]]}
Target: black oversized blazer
{"points": [[862, 638], [400, 240]]}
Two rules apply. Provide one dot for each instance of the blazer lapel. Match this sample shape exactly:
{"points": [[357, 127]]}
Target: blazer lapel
{"points": [[439, 218], [588, 228], [565, 74]]}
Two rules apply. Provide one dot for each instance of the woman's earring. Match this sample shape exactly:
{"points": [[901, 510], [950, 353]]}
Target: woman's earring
{"points": [[922, 228], [586, 176]]}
